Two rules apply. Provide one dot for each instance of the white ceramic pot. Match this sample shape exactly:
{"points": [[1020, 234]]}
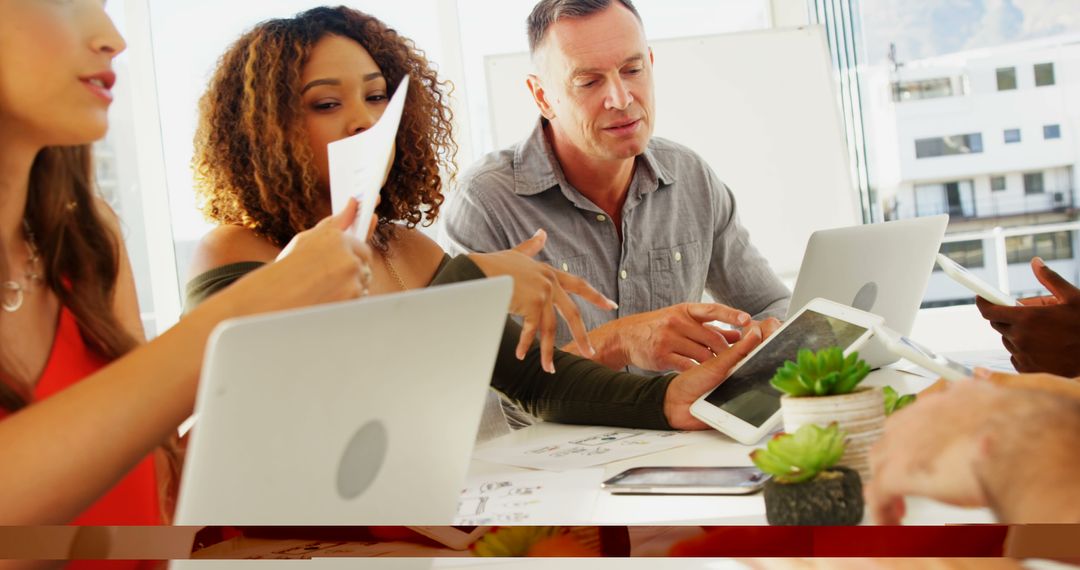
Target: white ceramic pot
{"points": [[861, 414]]}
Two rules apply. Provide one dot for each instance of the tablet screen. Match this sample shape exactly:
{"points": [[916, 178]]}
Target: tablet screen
{"points": [[747, 393]]}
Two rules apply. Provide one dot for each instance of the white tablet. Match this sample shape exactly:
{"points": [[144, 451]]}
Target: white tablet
{"points": [[968, 279], [906, 348], [745, 406]]}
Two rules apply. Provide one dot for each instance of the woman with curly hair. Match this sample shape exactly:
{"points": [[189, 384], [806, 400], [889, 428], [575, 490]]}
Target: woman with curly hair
{"points": [[288, 88], [84, 399]]}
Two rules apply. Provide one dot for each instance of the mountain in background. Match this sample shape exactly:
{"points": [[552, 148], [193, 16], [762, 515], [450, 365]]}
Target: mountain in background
{"points": [[926, 28]]}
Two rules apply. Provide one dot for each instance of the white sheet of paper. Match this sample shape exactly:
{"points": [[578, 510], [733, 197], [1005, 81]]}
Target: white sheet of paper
{"points": [[529, 498], [998, 360], [359, 164], [584, 446]]}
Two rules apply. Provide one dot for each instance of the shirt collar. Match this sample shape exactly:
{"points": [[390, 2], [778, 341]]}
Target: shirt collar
{"points": [[537, 170]]}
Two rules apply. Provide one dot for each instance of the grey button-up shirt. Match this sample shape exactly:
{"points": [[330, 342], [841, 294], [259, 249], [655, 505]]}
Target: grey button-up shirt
{"points": [[681, 234]]}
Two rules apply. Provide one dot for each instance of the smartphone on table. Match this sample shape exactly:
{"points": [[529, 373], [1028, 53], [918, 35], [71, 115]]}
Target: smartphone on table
{"points": [[687, 481]]}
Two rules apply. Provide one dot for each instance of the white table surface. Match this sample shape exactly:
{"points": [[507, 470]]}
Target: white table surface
{"points": [[945, 330]]}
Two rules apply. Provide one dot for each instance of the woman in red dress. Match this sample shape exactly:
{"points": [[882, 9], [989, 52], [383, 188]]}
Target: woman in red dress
{"points": [[84, 400]]}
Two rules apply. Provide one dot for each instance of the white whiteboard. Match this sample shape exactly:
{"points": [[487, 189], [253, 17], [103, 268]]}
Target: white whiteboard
{"points": [[760, 107]]}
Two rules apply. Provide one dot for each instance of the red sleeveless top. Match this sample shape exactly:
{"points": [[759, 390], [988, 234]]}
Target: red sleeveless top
{"points": [[134, 499]]}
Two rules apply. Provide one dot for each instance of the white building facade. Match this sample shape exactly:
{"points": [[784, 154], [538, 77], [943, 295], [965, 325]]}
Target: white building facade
{"points": [[989, 137]]}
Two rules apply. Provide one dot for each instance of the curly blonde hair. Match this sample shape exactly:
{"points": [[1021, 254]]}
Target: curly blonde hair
{"points": [[253, 165]]}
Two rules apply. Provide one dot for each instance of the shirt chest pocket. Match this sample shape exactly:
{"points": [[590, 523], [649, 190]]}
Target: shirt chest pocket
{"points": [[676, 274]]}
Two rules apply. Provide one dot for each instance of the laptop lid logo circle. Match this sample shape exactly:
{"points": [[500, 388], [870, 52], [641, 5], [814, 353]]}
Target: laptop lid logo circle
{"points": [[866, 297], [362, 459]]}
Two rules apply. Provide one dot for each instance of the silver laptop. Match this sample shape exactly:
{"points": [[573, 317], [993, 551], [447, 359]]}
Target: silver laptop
{"points": [[362, 412], [878, 268]]}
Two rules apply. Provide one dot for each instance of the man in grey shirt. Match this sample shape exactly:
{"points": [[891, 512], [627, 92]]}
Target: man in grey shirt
{"points": [[643, 219]]}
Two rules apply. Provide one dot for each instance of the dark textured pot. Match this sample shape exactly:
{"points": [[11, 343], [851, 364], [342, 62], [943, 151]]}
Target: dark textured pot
{"points": [[834, 497]]}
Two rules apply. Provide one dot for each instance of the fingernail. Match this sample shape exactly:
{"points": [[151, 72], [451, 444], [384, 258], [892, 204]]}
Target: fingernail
{"points": [[1039, 261], [592, 350], [744, 318], [549, 368], [538, 232], [612, 304], [982, 373]]}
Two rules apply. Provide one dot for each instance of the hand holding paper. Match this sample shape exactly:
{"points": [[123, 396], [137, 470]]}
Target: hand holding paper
{"points": [[360, 164]]}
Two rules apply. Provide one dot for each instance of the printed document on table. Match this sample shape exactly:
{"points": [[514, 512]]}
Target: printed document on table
{"points": [[529, 498], [359, 164], [579, 446]]}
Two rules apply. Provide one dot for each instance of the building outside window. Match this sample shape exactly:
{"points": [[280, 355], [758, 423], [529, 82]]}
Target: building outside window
{"points": [[1000, 46], [1006, 78], [1033, 183], [1044, 74], [946, 146]]}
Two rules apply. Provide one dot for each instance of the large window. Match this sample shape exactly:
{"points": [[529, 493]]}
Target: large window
{"points": [[1049, 246], [946, 146], [1013, 47], [1044, 74]]}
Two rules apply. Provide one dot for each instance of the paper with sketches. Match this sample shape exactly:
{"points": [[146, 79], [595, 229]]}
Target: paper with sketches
{"points": [[584, 447], [529, 498], [359, 164]]}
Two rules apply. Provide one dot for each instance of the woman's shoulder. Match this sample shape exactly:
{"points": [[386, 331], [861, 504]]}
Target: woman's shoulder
{"points": [[229, 244], [424, 255]]}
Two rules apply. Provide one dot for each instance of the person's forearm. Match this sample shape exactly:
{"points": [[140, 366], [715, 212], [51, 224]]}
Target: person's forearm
{"points": [[607, 342], [63, 453], [1028, 463], [581, 391]]}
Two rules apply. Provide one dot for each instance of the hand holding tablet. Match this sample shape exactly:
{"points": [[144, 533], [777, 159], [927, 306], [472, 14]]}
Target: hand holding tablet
{"points": [[745, 406]]}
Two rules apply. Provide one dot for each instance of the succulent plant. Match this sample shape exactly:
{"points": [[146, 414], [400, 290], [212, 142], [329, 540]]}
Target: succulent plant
{"points": [[798, 457], [824, 373], [894, 401]]}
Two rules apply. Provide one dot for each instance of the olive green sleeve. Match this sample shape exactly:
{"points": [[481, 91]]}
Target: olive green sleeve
{"points": [[581, 391], [206, 284]]}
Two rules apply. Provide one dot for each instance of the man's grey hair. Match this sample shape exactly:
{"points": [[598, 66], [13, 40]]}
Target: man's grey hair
{"points": [[547, 12]]}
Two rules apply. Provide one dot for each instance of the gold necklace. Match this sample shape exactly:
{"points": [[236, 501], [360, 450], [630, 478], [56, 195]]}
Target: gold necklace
{"points": [[15, 291]]}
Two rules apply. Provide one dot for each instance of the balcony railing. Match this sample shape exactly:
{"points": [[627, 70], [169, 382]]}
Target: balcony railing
{"points": [[1058, 201]]}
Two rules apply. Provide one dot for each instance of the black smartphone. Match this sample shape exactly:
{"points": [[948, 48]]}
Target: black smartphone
{"points": [[687, 481]]}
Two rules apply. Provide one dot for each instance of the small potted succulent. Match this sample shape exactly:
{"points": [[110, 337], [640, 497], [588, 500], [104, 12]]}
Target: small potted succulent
{"points": [[807, 485], [823, 387]]}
